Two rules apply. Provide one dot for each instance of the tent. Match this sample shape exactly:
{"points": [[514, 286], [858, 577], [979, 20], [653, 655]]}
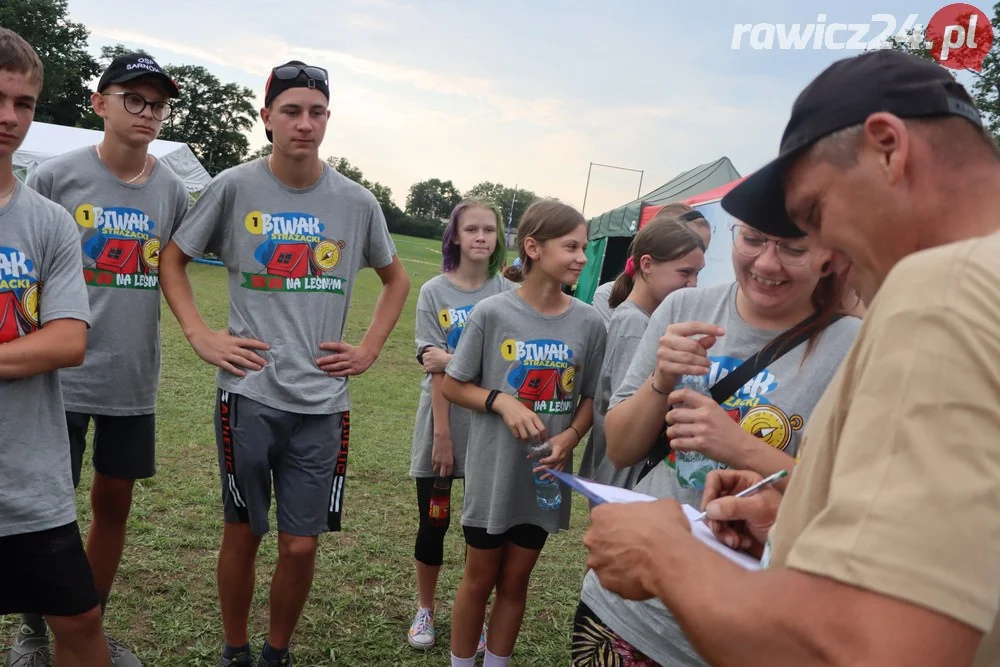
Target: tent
{"points": [[290, 260], [120, 256], [12, 322], [540, 384], [45, 141], [611, 232]]}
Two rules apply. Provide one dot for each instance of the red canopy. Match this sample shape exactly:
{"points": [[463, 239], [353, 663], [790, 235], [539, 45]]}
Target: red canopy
{"points": [[712, 195]]}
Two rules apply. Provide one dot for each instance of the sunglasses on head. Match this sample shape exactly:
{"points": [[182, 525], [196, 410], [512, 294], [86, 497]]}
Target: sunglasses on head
{"points": [[292, 72]]}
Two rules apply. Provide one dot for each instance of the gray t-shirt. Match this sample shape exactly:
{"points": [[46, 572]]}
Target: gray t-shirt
{"points": [[773, 406], [122, 228], [547, 362], [600, 301], [443, 308], [41, 280], [628, 324], [292, 257]]}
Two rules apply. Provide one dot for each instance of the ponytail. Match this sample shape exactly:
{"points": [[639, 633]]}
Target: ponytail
{"points": [[623, 285], [662, 239], [514, 273]]}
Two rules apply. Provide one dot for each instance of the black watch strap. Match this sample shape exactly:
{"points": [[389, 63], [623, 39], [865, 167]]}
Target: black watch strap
{"points": [[491, 399]]}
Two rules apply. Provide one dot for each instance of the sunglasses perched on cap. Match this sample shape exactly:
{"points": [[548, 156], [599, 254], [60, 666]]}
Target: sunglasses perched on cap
{"points": [[292, 72]]}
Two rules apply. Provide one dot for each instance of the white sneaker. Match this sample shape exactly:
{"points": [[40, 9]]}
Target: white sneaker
{"points": [[421, 635]]}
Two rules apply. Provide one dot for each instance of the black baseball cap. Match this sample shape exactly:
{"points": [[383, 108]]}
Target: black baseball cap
{"points": [[845, 94], [294, 74], [133, 65]]}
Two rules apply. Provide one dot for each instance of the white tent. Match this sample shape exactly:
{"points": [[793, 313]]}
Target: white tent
{"points": [[46, 141]]}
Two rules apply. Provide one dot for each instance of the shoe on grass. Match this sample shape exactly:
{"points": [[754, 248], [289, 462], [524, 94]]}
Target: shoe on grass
{"points": [[421, 635], [120, 654], [30, 648]]}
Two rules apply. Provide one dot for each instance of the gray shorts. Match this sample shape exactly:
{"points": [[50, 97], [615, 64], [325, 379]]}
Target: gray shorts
{"points": [[304, 455]]}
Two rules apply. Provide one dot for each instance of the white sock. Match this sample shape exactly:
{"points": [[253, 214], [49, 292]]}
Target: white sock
{"points": [[463, 662], [491, 660]]}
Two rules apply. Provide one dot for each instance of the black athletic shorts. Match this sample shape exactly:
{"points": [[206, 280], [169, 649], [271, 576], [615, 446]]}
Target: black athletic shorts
{"points": [[46, 572], [124, 447], [525, 535]]}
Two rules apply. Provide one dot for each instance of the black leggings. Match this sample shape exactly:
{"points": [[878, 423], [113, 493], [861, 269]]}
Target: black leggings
{"points": [[429, 548]]}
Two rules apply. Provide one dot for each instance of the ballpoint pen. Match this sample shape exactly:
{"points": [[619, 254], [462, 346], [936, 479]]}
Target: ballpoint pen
{"points": [[767, 481]]}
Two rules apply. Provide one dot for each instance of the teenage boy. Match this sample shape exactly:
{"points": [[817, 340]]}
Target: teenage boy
{"points": [[125, 203], [44, 316], [293, 234]]}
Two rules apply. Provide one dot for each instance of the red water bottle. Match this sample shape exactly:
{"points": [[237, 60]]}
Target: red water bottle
{"points": [[440, 501]]}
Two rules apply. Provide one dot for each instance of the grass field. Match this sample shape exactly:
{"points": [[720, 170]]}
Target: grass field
{"points": [[164, 603]]}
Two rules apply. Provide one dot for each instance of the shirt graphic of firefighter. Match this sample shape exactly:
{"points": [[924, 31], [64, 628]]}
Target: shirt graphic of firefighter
{"points": [[543, 374], [18, 295], [295, 256], [123, 251]]}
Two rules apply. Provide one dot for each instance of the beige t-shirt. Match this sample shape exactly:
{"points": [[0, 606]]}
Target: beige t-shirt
{"points": [[898, 486]]}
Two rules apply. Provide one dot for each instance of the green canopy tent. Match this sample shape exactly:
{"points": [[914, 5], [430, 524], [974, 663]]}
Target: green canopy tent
{"points": [[611, 232]]}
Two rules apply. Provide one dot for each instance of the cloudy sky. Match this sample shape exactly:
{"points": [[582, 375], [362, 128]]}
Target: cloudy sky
{"points": [[516, 91]]}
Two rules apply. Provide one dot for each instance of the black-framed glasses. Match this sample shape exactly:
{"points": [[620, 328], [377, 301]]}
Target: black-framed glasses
{"points": [[291, 72], [135, 104], [750, 242]]}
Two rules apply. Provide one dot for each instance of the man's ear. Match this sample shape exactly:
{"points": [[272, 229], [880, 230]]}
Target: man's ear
{"points": [[99, 103]]}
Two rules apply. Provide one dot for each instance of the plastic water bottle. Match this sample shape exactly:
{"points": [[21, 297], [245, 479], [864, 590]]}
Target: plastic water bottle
{"points": [[440, 504], [693, 467], [547, 492]]}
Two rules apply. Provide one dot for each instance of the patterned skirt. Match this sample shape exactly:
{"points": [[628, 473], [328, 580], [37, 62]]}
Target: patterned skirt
{"points": [[594, 644]]}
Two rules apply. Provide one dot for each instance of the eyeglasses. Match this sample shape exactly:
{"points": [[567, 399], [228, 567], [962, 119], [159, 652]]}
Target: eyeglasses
{"points": [[751, 243], [290, 72], [135, 104]]}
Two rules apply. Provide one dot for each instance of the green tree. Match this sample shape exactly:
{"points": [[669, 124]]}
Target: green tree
{"points": [[62, 46], [383, 194], [263, 151], [209, 116], [344, 166], [985, 84], [432, 198], [504, 197]]}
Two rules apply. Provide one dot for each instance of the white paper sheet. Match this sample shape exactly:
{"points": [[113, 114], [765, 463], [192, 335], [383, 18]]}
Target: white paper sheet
{"points": [[602, 493]]}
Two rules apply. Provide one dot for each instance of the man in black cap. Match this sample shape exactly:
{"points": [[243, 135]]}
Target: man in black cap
{"points": [[886, 549], [294, 234], [125, 203]]}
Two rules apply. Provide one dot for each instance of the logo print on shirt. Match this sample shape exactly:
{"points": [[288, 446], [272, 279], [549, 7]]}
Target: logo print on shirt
{"points": [[750, 408], [125, 251], [18, 295], [295, 256], [543, 376], [453, 321]]}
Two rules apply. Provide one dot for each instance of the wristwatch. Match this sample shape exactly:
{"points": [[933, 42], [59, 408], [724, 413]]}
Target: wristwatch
{"points": [[491, 399]]}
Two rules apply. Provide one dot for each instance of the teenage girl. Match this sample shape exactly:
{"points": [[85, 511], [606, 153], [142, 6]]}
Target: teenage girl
{"points": [[665, 256], [472, 250], [527, 365]]}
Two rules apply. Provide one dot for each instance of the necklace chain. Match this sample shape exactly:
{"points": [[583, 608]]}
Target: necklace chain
{"points": [[134, 178], [11, 191]]}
